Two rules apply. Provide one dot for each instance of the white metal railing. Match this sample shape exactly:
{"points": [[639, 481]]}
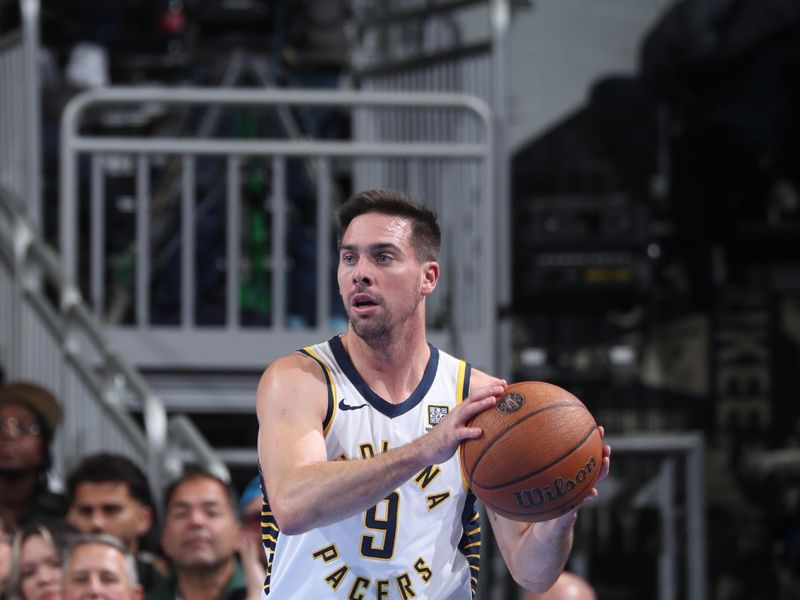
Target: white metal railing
{"points": [[49, 336], [467, 317], [20, 112], [682, 520]]}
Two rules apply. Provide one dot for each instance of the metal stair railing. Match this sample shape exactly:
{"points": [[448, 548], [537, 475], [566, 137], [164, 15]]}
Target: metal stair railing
{"points": [[20, 117], [462, 164], [48, 335]]}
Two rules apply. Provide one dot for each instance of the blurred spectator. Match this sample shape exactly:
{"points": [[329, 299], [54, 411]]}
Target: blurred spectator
{"points": [[568, 587], [99, 566], [252, 555], [109, 493], [36, 563], [29, 415], [5, 557], [201, 537]]}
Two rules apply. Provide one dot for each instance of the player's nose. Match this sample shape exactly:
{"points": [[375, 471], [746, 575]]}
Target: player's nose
{"points": [[361, 274]]}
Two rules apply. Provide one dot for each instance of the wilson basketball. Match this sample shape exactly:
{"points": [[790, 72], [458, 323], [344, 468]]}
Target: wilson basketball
{"points": [[538, 456]]}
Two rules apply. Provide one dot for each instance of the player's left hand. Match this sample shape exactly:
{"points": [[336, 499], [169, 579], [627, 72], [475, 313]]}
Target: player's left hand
{"points": [[605, 466]]}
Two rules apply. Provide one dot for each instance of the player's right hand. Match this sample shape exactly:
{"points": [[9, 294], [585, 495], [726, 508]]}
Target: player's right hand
{"points": [[439, 444]]}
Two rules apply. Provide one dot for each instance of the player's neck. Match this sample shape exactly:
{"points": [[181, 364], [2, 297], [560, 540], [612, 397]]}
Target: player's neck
{"points": [[392, 369]]}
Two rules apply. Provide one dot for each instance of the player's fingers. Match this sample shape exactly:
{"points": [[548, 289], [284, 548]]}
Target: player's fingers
{"points": [[605, 462], [470, 433], [481, 393], [473, 408]]}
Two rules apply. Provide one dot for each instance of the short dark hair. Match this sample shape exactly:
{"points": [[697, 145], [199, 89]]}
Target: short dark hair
{"points": [[195, 472], [427, 236], [106, 467]]}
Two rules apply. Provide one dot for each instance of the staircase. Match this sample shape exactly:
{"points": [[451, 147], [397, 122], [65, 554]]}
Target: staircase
{"points": [[49, 336]]}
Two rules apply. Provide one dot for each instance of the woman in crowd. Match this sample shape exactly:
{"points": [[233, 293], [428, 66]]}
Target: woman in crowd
{"points": [[36, 565], [5, 557]]}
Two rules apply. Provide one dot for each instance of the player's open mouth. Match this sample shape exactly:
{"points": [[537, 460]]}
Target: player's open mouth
{"points": [[363, 301]]}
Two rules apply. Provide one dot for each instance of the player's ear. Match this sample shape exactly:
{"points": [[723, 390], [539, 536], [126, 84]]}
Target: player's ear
{"points": [[430, 276]]}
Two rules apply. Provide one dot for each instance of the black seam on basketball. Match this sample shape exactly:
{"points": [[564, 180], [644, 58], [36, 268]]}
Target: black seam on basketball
{"points": [[545, 467], [539, 512], [489, 446]]}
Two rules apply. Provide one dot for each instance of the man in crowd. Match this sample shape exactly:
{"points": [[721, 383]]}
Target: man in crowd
{"points": [[109, 493], [99, 566], [201, 537], [29, 415]]}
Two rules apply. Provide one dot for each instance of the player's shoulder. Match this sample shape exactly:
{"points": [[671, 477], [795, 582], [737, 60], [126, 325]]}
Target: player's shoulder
{"points": [[480, 379], [294, 371]]}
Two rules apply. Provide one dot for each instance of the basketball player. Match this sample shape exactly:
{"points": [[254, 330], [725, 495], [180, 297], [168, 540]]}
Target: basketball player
{"points": [[358, 438]]}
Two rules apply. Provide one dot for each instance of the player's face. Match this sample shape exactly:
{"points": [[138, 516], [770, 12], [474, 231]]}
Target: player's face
{"points": [[97, 572], [380, 279], [200, 530], [108, 507]]}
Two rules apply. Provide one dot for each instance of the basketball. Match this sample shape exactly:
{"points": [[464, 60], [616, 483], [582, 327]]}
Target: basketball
{"points": [[538, 456]]}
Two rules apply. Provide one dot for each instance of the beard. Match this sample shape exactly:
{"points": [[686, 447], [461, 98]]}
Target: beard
{"points": [[371, 331]]}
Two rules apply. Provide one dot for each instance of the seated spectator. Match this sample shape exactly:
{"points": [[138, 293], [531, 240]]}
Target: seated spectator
{"points": [[5, 557], [99, 566], [567, 587], [109, 493], [29, 415], [201, 537], [36, 564]]}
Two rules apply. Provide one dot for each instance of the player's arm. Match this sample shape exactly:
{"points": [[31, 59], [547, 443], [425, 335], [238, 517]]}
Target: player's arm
{"points": [[305, 489], [536, 553]]}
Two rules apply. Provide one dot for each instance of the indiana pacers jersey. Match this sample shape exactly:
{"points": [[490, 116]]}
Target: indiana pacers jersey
{"points": [[423, 539]]}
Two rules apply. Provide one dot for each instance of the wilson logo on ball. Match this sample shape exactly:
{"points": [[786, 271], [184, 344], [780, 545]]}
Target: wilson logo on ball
{"points": [[510, 403], [549, 493]]}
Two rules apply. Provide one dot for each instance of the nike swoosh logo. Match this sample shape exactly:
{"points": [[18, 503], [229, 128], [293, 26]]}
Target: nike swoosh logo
{"points": [[344, 406]]}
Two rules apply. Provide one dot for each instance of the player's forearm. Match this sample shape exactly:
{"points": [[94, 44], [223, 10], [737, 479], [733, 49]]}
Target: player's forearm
{"points": [[328, 491], [535, 554]]}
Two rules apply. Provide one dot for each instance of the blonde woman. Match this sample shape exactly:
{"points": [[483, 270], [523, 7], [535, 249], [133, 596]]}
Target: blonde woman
{"points": [[36, 565]]}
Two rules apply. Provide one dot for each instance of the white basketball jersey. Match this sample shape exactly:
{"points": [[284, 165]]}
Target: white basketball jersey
{"points": [[422, 540]]}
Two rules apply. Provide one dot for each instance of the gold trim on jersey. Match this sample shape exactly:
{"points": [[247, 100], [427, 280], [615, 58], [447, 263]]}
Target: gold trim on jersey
{"points": [[461, 393], [309, 351]]}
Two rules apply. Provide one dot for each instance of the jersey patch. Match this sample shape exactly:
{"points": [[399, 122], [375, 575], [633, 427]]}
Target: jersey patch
{"points": [[436, 414]]}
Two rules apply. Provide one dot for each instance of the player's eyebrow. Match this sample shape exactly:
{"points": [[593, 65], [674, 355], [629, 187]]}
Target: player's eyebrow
{"points": [[373, 248]]}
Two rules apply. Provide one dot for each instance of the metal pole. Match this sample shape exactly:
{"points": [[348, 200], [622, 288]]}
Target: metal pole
{"points": [[324, 193], [279, 246], [188, 228], [666, 557], [97, 236], [695, 525], [33, 116], [232, 239], [143, 249], [500, 15]]}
